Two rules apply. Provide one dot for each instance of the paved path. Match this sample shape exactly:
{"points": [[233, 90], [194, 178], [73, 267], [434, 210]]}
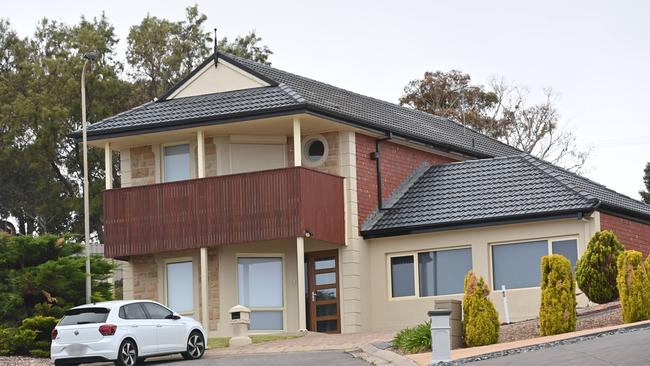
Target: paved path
{"points": [[330, 358], [626, 349]]}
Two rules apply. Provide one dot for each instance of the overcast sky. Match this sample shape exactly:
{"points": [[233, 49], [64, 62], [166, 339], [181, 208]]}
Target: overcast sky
{"points": [[594, 54]]}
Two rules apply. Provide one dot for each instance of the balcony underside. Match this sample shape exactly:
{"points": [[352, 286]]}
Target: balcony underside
{"points": [[207, 212]]}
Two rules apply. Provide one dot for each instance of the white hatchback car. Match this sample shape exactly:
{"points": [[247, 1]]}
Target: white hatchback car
{"points": [[124, 332]]}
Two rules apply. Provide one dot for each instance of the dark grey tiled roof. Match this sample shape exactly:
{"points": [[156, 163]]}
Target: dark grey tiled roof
{"points": [[295, 91], [476, 191]]}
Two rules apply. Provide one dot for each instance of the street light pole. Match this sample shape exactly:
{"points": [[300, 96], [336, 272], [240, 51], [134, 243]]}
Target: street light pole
{"points": [[90, 56]]}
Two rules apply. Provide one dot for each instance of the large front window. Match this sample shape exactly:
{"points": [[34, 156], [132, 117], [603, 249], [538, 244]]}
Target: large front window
{"points": [[517, 265], [177, 162], [261, 289], [180, 287]]}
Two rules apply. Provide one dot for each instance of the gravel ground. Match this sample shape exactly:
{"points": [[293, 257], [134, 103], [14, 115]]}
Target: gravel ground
{"points": [[24, 361], [588, 318]]}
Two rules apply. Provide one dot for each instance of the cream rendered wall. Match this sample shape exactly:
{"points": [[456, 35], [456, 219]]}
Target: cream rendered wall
{"points": [[387, 313], [211, 79]]}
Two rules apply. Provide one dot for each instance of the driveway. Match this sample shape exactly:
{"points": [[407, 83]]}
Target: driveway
{"points": [[325, 358], [624, 349]]}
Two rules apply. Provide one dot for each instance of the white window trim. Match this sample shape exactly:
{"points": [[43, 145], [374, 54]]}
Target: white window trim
{"points": [[284, 290], [416, 273], [305, 151], [549, 250], [193, 160], [195, 283]]}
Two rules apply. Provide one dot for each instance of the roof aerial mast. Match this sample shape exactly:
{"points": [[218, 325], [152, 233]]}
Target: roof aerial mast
{"points": [[216, 50]]}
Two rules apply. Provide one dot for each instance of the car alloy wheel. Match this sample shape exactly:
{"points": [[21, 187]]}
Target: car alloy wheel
{"points": [[128, 354], [195, 346]]}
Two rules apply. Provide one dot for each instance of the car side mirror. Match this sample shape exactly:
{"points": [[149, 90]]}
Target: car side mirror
{"points": [[173, 316]]}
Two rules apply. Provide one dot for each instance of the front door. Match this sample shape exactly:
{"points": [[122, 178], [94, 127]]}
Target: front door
{"points": [[323, 304]]}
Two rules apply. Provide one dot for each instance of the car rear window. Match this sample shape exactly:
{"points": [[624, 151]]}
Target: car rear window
{"points": [[85, 316]]}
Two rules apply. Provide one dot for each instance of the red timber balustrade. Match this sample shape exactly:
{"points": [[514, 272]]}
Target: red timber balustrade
{"points": [[239, 208]]}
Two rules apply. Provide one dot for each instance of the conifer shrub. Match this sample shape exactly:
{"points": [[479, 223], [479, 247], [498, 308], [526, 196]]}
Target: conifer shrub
{"points": [[596, 270], [557, 313], [633, 286], [480, 318]]}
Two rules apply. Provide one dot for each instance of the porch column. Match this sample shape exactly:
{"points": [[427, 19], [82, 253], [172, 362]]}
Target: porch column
{"points": [[297, 143], [300, 258], [200, 153], [108, 165], [204, 288]]}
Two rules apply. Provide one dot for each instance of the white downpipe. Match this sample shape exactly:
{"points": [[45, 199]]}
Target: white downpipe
{"points": [[505, 304]]}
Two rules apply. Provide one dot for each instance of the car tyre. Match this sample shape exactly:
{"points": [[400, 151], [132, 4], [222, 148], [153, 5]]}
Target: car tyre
{"points": [[195, 346], [127, 355]]}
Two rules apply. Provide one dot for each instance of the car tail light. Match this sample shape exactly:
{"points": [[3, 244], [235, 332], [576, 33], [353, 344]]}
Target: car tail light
{"points": [[107, 329], [54, 333]]}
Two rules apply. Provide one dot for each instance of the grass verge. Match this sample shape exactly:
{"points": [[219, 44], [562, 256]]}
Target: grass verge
{"points": [[222, 342]]}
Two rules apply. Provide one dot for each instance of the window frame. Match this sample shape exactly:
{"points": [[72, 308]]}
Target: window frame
{"points": [[549, 250], [281, 256], [306, 161], [416, 272], [192, 159], [195, 282]]}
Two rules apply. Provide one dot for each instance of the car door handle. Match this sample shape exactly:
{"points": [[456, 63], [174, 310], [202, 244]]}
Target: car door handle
{"points": [[159, 325], [134, 326]]}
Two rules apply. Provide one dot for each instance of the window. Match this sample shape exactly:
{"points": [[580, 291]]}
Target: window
{"points": [[402, 276], [177, 162], [567, 248], [314, 150], [156, 311], [260, 285], [132, 311], [85, 316], [517, 265], [180, 287], [443, 272]]}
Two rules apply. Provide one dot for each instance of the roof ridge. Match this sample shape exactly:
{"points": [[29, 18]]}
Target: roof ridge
{"points": [[292, 93], [536, 163]]}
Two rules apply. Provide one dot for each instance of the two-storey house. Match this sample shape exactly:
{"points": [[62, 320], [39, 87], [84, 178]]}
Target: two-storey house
{"points": [[325, 210]]}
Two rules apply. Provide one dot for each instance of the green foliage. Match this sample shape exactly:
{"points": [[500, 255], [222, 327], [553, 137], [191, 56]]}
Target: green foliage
{"points": [[44, 276], [247, 47], [557, 313], [596, 269], [645, 194], [480, 318], [31, 338], [414, 340], [633, 287]]}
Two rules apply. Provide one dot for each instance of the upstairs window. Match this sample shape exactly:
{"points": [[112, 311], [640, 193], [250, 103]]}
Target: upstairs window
{"points": [[177, 162]]}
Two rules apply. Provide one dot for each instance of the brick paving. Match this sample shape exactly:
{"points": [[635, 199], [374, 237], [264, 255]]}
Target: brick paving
{"points": [[308, 343]]}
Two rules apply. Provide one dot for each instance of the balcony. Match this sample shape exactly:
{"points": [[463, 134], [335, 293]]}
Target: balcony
{"points": [[230, 209]]}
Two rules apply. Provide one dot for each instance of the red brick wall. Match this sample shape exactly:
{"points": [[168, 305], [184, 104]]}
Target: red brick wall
{"points": [[397, 163], [633, 235]]}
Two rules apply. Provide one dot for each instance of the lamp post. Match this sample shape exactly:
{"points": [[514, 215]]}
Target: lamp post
{"points": [[88, 57]]}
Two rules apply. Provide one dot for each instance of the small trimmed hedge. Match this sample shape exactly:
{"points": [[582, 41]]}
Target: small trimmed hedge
{"points": [[596, 270], [414, 340], [557, 313], [633, 286], [480, 318], [31, 338]]}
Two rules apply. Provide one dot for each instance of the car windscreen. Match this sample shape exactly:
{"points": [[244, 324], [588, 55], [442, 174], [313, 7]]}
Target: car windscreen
{"points": [[85, 316]]}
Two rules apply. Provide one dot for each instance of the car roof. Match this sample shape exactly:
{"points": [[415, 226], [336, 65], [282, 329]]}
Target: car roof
{"points": [[111, 304]]}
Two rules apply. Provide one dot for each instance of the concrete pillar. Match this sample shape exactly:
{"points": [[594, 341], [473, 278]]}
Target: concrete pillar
{"points": [[108, 165], [204, 289], [200, 153], [297, 143], [300, 265]]}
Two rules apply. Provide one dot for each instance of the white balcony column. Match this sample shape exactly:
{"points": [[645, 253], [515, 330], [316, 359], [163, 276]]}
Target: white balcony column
{"points": [[108, 165], [300, 258], [200, 153], [297, 143], [204, 289]]}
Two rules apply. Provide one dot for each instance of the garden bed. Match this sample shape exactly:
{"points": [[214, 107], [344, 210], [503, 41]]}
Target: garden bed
{"points": [[588, 318]]}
